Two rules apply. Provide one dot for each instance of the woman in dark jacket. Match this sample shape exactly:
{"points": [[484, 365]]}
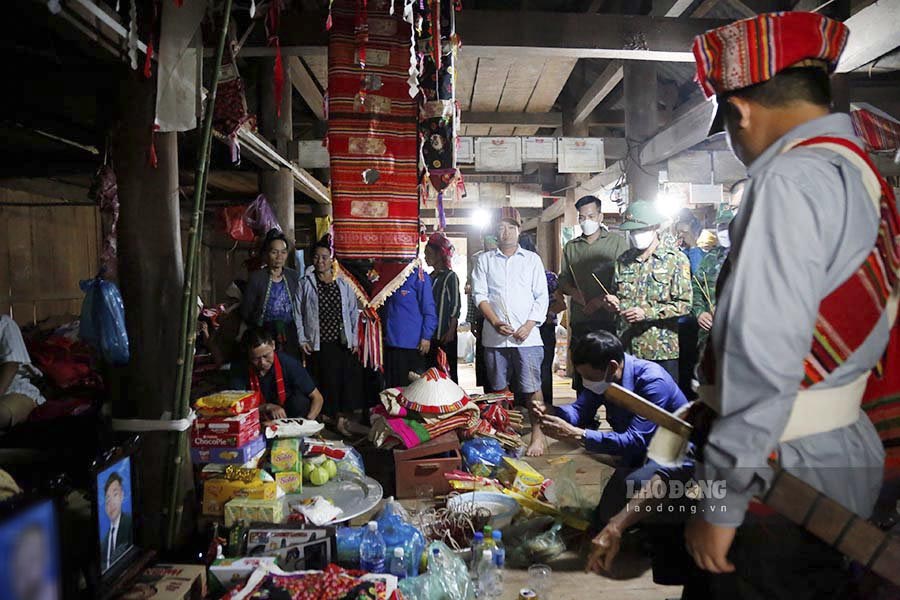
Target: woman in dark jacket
{"points": [[272, 293]]}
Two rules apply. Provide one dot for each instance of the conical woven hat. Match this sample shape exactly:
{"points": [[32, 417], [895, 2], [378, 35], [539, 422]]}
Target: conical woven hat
{"points": [[433, 393]]}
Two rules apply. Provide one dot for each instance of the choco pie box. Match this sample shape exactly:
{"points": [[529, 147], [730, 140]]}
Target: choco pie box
{"points": [[229, 455]]}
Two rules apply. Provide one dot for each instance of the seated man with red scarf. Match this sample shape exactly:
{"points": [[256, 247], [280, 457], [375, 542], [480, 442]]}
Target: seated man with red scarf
{"points": [[287, 389]]}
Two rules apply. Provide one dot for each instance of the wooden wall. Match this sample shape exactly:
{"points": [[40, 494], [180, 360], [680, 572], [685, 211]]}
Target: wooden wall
{"points": [[44, 252]]}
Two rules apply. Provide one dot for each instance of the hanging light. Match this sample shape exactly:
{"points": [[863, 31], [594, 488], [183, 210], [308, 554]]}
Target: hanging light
{"points": [[481, 218], [668, 203]]}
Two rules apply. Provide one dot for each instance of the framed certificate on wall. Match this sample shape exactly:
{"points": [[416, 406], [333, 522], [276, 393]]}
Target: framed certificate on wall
{"points": [[581, 155], [498, 154]]}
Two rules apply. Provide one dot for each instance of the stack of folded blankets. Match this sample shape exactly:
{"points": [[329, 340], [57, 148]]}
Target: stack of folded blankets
{"points": [[427, 408]]}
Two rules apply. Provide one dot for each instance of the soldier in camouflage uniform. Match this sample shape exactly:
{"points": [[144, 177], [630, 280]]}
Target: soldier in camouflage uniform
{"points": [[653, 289], [704, 302]]}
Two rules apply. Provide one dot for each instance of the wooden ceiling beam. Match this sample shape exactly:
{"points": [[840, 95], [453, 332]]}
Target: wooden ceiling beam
{"points": [[306, 85], [873, 33], [488, 34]]}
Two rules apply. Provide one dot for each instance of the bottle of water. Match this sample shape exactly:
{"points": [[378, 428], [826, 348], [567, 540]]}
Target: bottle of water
{"points": [[398, 564], [477, 550], [499, 551], [490, 586], [372, 550]]}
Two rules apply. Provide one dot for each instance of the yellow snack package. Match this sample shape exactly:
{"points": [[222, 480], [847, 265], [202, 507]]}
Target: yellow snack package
{"points": [[285, 455], [290, 482]]}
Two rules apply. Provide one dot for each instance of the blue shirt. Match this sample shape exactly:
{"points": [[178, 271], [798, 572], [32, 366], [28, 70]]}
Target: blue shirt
{"points": [[410, 315], [631, 433], [298, 385], [278, 306], [695, 256]]}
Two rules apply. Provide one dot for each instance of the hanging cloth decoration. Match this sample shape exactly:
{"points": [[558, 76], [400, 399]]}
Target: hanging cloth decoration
{"points": [[273, 18], [230, 112], [132, 40]]}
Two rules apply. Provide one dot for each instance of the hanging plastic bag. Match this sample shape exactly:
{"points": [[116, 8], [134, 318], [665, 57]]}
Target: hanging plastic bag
{"points": [[235, 225], [259, 216], [103, 320]]}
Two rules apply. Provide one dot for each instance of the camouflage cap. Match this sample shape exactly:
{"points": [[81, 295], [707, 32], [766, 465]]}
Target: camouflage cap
{"points": [[641, 214], [724, 214]]}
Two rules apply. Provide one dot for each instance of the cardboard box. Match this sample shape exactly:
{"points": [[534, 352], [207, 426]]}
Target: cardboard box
{"points": [[296, 549], [227, 403], [254, 511], [520, 477], [236, 424], [426, 465], [229, 455], [218, 492], [169, 582], [223, 440], [285, 455], [228, 572]]}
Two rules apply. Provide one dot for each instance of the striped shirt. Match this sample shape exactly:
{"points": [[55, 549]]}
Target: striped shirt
{"points": [[445, 286]]}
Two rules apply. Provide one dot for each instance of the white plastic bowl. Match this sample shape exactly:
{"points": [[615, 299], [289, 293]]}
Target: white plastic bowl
{"points": [[503, 508]]}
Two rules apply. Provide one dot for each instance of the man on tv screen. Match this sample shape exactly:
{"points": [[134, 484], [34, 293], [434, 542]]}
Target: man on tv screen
{"points": [[117, 539]]}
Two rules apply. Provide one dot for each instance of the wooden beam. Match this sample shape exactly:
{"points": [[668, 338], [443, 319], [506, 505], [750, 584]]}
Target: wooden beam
{"points": [[264, 155], [48, 188], [873, 33], [489, 34], [601, 180], [306, 86], [735, 7], [602, 86], [511, 119], [554, 211], [686, 131]]}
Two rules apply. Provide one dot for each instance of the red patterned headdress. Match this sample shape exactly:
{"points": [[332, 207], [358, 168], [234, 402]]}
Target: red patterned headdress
{"points": [[511, 214], [754, 50], [442, 244]]}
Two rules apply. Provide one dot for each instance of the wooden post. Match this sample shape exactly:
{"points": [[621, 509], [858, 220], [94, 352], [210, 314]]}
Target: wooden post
{"points": [[640, 124], [278, 186], [572, 129], [151, 275]]}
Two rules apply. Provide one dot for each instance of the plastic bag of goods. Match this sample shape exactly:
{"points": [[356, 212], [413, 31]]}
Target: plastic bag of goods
{"points": [[103, 320], [398, 532], [447, 578], [482, 456]]}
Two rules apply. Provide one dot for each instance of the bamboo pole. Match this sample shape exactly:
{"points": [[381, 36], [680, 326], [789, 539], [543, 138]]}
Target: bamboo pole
{"points": [[184, 364]]}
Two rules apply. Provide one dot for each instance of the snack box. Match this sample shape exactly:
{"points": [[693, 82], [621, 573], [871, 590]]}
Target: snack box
{"points": [[223, 440], [229, 455], [230, 402], [228, 572], [291, 482], [520, 477], [170, 582], [253, 511], [230, 425], [218, 492], [285, 455]]}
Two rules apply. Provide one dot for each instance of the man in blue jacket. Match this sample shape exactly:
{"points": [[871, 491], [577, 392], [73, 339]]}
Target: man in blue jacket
{"points": [[601, 360], [410, 320]]}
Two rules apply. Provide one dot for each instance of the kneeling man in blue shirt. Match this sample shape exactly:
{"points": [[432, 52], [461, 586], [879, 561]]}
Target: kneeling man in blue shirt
{"points": [[600, 359]]}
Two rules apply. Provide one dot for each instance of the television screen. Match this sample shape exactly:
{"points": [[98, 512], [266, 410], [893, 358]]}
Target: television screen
{"points": [[114, 513], [29, 554]]}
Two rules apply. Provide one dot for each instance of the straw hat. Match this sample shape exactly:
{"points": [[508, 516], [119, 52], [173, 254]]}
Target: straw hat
{"points": [[433, 393]]}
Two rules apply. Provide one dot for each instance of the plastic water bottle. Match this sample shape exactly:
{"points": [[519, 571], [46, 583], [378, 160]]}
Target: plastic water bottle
{"points": [[372, 550], [499, 551], [477, 550], [490, 586], [398, 564]]}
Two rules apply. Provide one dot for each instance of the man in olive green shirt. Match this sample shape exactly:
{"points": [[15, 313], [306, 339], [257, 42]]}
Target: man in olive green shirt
{"points": [[593, 253]]}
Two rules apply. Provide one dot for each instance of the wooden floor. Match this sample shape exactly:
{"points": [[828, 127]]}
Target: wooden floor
{"points": [[569, 581]]}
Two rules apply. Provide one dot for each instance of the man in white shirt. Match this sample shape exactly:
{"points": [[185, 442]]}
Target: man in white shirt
{"points": [[510, 289], [18, 396]]}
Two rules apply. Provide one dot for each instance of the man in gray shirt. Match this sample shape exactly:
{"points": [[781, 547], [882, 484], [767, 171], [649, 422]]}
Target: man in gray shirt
{"points": [[805, 226]]}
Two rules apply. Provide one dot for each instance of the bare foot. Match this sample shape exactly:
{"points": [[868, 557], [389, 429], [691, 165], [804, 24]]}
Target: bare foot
{"points": [[536, 447]]}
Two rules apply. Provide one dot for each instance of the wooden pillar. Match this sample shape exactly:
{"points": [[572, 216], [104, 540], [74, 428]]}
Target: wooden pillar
{"points": [[278, 186], [641, 122], [151, 275]]}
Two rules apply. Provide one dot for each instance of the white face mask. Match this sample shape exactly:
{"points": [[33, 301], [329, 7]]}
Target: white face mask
{"points": [[724, 238], [642, 240], [590, 227], [598, 387]]}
